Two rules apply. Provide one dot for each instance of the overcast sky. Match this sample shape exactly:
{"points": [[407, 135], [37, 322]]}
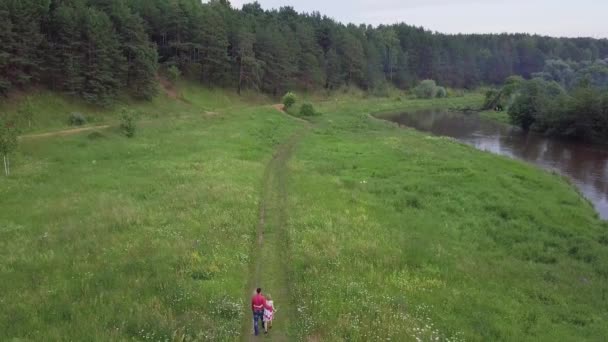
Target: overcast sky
{"points": [[569, 18]]}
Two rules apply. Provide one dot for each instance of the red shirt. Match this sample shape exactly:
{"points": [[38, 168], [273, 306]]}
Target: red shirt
{"points": [[258, 302]]}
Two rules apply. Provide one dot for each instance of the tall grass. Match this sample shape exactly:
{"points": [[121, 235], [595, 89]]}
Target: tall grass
{"points": [[397, 235], [108, 238]]}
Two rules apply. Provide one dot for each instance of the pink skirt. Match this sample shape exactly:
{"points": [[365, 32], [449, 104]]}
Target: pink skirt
{"points": [[268, 315]]}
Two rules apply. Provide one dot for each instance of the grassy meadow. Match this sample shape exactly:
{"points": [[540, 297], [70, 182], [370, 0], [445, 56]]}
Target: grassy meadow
{"points": [[372, 232], [108, 238], [399, 234]]}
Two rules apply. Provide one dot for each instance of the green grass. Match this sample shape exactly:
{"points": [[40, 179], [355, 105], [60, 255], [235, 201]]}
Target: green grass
{"points": [[399, 235], [372, 231], [110, 238]]}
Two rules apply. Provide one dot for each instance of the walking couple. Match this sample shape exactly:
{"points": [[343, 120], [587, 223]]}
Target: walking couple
{"points": [[263, 310]]}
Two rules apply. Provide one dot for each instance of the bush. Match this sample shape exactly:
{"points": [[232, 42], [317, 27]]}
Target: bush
{"points": [[127, 123], [427, 89], [441, 92], [173, 73], [307, 110], [77, 119], [289, 100]]}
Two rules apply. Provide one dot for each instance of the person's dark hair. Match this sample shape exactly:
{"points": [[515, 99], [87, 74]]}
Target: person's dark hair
{"points": [[258, 290]]}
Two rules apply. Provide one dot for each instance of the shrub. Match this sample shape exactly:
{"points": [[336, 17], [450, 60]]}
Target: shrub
{"points": [[77, 119], [307, 110], [173, 73], [127, 123], [427, 89], [441, 92], [289, 100]]}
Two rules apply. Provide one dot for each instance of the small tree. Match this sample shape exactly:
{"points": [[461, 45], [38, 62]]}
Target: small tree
{"points": [[77, 119], [441, 92], [127, 123], [289, 100], [8, 143], [307, 110], [26, 112], [427, 89], [174, 74]]}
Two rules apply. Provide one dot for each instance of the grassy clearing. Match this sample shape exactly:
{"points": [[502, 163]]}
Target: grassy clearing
{"points": [[399, 235], [372, 231], [107, 238]]}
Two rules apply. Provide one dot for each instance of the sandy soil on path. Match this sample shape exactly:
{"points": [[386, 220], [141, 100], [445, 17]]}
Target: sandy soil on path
{"points": [[63, 132]]}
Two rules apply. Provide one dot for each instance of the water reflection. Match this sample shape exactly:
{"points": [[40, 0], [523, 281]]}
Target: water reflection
{"points": [[586, 164]]}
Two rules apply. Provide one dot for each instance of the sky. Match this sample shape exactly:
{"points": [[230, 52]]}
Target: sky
{"points": [[561, 18]]}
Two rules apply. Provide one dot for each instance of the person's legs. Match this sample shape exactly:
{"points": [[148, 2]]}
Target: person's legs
{"points": [[255, 323], [257, 316], [262, 319]]}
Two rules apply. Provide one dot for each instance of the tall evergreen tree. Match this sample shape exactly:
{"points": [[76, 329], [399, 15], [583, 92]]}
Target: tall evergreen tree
{"points": [[103, 60]]}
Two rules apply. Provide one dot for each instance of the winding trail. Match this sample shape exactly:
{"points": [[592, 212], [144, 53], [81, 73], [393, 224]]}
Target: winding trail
{"points": [[269, 266], [63, 132]]}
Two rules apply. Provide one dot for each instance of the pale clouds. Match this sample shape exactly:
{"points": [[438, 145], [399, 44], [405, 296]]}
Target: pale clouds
{"points": [[548, 17]]}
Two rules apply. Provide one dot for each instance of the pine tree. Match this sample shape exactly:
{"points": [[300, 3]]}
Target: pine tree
{"points": [[6, 39], [310, 74], [249, 67], [20, 53], [104, 62], [139, 53], [350, 51], [66, 58], [278, 67], [214, 60], [333, 70]]}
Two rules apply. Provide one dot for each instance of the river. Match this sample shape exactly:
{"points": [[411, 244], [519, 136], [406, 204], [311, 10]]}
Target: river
{"points": [[585, 164]]}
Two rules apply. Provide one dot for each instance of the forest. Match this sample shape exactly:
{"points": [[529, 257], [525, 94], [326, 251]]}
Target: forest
{"points": [[100, 49]]}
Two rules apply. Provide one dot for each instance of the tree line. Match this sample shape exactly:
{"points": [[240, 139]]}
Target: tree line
{"points": [[98, 49], [578, 112]]}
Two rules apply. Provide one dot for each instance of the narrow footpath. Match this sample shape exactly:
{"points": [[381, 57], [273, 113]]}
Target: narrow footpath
{"points": [[269, 268]]}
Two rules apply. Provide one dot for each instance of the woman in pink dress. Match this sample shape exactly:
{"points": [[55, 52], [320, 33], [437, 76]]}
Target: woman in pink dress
{"points": [[268, 313]]}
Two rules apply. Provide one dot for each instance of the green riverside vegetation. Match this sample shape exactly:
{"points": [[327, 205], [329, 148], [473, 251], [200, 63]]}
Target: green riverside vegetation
{"points": [[360, 230]]}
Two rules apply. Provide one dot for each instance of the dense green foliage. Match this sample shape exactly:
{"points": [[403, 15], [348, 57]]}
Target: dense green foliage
{"points": [[100, 49], [127, 123], [428, 89], [570, 74], [289, 100], [307, 109], [580, 112], [77, 119], [441, 92]]}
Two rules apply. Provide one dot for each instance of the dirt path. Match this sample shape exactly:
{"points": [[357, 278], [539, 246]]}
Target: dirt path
{"points": [[64, 132], [269, 267]]}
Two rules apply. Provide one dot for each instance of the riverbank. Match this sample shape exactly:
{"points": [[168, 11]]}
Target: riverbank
{"points": [[442, 241], [378, 232]]}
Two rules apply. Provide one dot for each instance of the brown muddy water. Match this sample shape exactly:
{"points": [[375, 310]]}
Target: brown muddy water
{"points": [[585, 164]]}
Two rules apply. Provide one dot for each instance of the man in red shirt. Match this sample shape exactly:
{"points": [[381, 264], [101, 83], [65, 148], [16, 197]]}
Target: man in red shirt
{"points": [[258, 302]]}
